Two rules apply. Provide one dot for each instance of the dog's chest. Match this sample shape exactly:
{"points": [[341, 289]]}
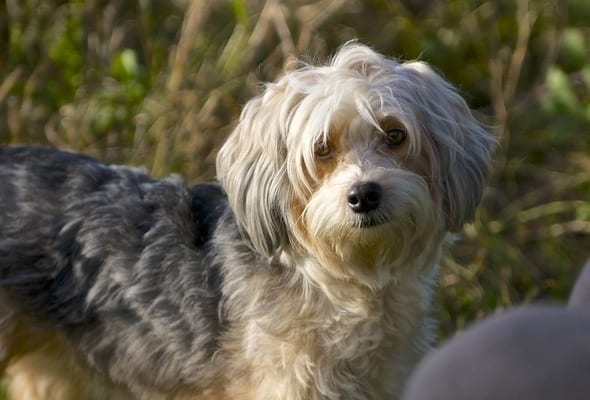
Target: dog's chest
{"points": [[326, 358]]}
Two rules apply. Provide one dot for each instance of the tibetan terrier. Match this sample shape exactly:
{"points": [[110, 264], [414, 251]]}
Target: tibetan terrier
{"points": [[306, 273]]}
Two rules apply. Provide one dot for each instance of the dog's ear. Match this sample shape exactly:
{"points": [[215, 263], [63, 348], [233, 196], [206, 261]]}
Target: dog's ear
{"points": [[459, 148], [251, 169]]}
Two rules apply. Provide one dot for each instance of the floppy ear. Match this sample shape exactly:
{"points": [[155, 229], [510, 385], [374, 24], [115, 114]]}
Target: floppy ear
{"points": [[251, 169], [460, 149]]}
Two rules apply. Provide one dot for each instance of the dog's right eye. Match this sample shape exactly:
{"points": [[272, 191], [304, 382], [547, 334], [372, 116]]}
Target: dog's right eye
{"points": [[322, 149], [395, 137], [394, 132]]}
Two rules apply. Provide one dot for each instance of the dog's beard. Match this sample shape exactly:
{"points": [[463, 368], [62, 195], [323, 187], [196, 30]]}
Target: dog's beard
{"points": [[370, 247]]}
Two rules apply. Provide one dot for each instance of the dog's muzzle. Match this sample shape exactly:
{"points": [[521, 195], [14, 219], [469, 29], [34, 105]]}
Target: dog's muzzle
{"points": [[364, 197]]}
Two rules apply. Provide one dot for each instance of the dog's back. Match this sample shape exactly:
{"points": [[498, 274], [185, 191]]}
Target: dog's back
{"points": [[82, 242], [48, 202]]}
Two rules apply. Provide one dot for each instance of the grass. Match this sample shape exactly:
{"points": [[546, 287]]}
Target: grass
{"points": [[159, 84]]}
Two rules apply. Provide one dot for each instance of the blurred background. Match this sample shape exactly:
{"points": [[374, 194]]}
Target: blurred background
{"points": [[159, 83]]}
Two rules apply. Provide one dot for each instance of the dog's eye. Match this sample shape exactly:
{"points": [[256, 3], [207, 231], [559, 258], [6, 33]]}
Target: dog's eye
{"points": [[395, 137], [322, 149]]}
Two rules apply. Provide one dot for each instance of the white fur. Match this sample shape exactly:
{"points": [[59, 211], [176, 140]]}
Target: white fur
{"points": [[363, 293]]}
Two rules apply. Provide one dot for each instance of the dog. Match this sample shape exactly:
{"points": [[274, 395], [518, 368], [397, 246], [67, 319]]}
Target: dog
{"points": [[305, 273]]}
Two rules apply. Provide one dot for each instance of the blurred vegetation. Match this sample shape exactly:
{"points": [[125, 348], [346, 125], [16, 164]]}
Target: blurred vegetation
{"points": [[159, 83]]}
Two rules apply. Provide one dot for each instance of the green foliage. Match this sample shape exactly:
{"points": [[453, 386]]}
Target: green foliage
{"points": [[160, 84], [64, 51]]}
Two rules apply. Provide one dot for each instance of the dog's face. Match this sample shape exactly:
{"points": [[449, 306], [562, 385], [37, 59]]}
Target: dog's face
{"points": [[361, 163]]}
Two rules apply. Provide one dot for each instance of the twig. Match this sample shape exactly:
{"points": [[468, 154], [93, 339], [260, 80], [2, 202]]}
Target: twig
{"points": [[196, 15], [9, 82]]}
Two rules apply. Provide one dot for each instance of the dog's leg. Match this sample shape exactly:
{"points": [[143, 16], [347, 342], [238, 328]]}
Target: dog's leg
{"points": [[34, 377], [49, 374], [38, 377]]}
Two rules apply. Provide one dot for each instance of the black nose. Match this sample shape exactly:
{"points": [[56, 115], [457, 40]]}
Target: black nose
{"points": [[364, 197]]}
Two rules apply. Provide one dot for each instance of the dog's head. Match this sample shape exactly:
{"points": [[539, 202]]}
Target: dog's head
{"points": [[358, 162]]}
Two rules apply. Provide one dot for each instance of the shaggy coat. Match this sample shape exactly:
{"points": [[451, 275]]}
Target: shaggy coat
{"points": [[305, 274]]}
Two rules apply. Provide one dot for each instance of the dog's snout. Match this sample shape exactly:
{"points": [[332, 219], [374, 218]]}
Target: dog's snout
{"points": [[364, 197]]}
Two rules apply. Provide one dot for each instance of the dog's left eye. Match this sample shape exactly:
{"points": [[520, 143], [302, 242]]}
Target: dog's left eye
{"points": [[322, 149], [395, 137]]}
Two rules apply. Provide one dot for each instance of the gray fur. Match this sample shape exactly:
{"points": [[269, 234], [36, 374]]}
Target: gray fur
{"points": [[117, 261]]}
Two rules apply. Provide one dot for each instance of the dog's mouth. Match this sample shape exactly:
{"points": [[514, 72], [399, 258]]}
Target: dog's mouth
{"points": [[370, 221]]}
